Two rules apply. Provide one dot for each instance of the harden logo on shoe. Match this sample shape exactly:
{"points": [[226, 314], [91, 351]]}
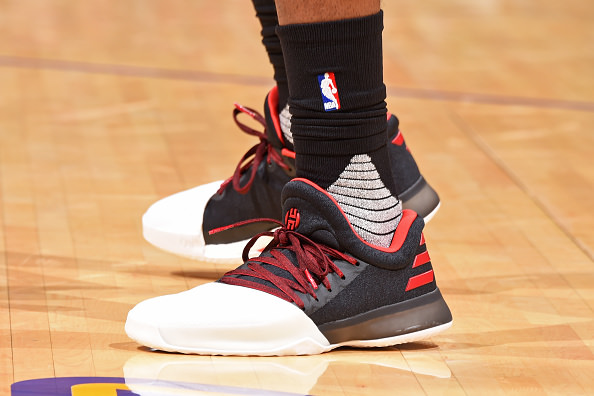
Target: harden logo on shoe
{"points": [[292, 219], [329, 90]]}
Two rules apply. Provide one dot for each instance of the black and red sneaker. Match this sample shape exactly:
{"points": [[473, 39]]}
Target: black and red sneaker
{"points": [[183, 222], [317, 286]]}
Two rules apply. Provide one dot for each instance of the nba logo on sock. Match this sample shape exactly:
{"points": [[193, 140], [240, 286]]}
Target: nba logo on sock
{"points": [[327, 83]]}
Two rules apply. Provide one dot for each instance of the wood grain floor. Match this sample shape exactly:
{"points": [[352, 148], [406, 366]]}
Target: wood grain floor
{"points": [[106, 107]]}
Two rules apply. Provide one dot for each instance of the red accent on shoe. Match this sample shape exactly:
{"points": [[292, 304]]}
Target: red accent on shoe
{"points": [[252, 113], [292, 219], [408, 217], [399, 139], [242, 223], [422, 239], [311, 279], [273, 105], [288, 153], [419, 280], [420, 259]]}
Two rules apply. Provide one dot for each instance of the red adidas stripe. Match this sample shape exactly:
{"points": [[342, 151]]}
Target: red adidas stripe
{"points": [[420, 259], [419, 280]]}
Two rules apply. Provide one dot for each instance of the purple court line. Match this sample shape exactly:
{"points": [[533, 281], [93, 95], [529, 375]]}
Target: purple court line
{"points": [[209, 77], [60, 386], [130, 70], [491, 99]]}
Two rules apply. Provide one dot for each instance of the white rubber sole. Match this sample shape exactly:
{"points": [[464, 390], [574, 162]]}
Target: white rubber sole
{"points": [[221, 319]]}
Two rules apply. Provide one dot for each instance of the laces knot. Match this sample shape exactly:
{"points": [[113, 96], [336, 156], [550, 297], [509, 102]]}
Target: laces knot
{"points": [[254, 156], [305, 264]]}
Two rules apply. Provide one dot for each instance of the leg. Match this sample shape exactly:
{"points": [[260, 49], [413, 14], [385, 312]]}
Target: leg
{"points": [[310, 11]]}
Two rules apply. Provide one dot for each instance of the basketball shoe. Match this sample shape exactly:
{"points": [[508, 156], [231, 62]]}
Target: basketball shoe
{"points": [[183, 223], [316, 286]]}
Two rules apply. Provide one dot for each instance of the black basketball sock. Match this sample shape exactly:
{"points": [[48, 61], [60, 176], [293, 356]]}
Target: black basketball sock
{"points": [[337, 101], [266, 13]]}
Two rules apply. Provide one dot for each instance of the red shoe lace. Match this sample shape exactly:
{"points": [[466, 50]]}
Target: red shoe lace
{"points": [[313, 265], [253, 156]]}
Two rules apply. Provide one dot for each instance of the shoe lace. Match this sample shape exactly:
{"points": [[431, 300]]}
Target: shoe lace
{"points": [[254, 156], [313, 263]]}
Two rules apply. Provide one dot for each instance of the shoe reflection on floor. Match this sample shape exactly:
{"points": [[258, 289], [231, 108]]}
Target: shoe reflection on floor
{"points": [[151, 373]]}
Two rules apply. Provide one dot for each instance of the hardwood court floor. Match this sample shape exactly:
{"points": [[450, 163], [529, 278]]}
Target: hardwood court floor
{"points": [[106, 107]]}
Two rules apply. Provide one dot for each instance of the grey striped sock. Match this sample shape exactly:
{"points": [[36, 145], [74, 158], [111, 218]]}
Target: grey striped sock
{"points": [[366, 202], [285, 121]]}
